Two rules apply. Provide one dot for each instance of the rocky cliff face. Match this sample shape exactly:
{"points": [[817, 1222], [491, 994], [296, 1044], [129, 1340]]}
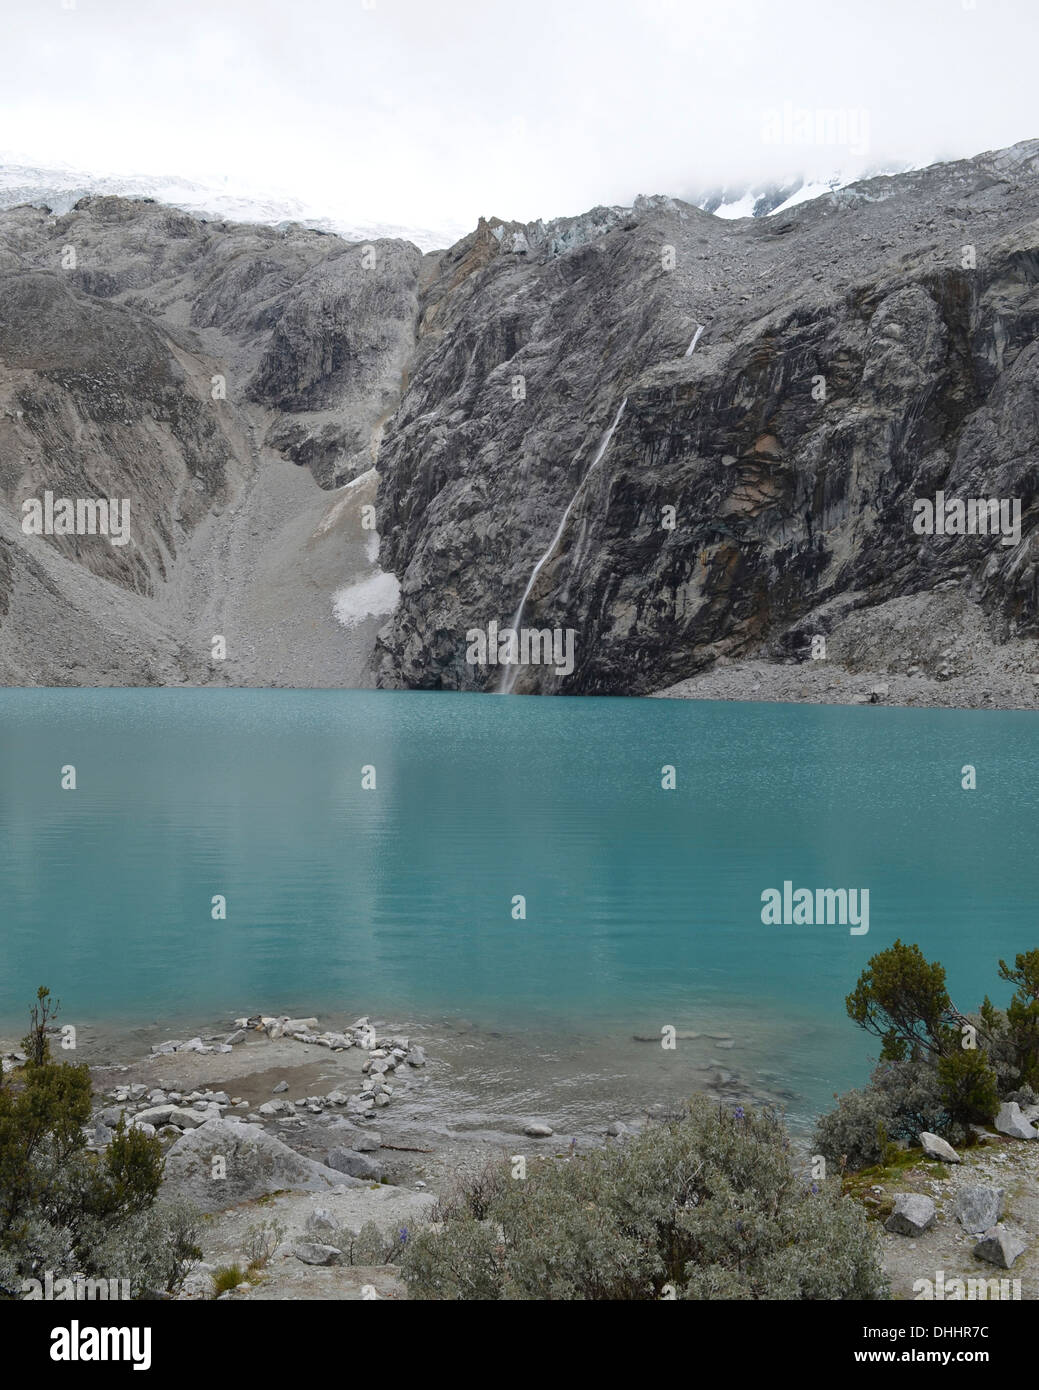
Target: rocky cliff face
{"points": [[692, 440], [870, 348], [179, 364]]}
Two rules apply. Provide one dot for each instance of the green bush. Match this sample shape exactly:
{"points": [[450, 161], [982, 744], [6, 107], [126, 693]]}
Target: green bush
{"points": [[68, 1211], [707, 1206], [261, 1240], [969, 1089], [901, 998], [1022, 1016], [901, 1099], [927, 1078], [227, 1277]]}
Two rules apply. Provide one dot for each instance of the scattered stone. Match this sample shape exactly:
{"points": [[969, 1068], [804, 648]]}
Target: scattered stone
{"points": [[171, 1115], [538, 1131], [311, 1253], [999, 1247], [357, 1164], [1010, 1121], [936, 1147], [978, 1208], [913, 1214]]}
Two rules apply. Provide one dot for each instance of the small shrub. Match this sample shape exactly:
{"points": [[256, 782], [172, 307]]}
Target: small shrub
{"points": [[261, 1241], [475, 1193], [227, 1277], [902, 1099], [707, 1206], [855, 1134], [370, 1246]]}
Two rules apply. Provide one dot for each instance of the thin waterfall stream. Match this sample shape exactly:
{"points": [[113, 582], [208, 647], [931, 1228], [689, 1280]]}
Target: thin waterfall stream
{"points": [[508, 679]]}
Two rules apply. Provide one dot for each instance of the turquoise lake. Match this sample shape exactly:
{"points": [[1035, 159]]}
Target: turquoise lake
{"points": [[643, 905]]}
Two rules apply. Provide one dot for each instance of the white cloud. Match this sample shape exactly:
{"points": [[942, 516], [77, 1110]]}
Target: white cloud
{"points": [[435, 111]]}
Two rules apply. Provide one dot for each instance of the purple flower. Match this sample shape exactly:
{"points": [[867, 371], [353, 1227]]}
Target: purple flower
{"points": [[738, 1112], [403, 1235]]}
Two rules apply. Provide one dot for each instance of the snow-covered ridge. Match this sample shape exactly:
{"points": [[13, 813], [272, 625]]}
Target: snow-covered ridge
{"points": [[768, 199], [60, 188]]}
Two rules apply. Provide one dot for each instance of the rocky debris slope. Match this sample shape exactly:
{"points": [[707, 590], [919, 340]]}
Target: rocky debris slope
{"points": [[184, 366], [860, 351]]}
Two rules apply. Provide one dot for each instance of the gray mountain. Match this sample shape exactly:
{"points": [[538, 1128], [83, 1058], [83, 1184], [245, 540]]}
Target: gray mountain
{"points": [[789, 511], [544, 430]]}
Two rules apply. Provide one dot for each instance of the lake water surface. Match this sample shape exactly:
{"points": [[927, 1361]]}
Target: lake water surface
{"points": [[643, 905]]}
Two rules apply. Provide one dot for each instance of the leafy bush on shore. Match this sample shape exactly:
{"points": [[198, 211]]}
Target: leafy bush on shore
{"points": [[706, 1206], [68, 1211], [940, 1070]]}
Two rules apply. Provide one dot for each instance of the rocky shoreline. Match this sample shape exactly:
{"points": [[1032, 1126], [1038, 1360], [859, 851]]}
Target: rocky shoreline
{"points": [[928, 651], [325, 1147], [280, 1125]]}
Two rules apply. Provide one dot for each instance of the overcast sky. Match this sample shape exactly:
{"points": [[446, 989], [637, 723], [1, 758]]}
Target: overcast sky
{"points": [[428, 112]]}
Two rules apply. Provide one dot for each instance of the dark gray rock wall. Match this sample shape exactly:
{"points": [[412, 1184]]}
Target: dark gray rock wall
{"points": [[789, 505]]}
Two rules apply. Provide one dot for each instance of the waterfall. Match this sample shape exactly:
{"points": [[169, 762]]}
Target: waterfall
{"points": [[696, 336], [508, 679]]}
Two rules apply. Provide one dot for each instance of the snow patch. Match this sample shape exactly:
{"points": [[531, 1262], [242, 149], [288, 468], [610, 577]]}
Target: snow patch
{"points": [[373, 597], [744, 207]]}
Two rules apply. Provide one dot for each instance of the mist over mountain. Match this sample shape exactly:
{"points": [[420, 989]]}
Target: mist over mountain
{"points": [[60, 189]]}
